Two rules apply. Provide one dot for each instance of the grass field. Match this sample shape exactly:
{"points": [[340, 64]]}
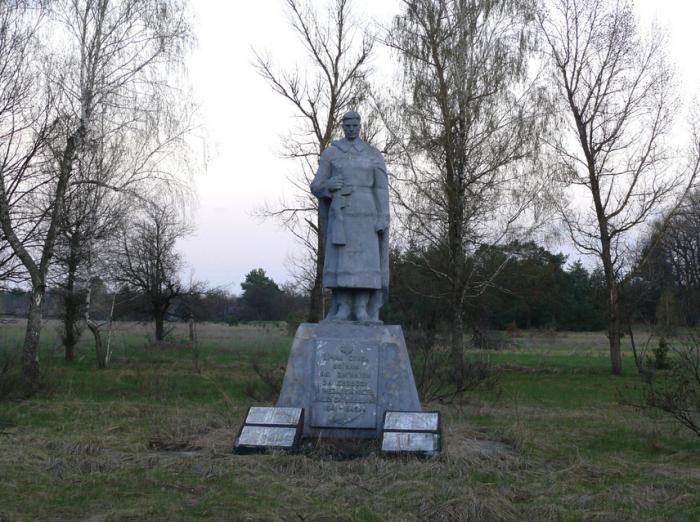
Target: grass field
{"points": [[150, 439]]}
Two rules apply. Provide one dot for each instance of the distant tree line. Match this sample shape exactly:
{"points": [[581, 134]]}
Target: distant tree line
{"points": [[533, 289], [261, 300]]}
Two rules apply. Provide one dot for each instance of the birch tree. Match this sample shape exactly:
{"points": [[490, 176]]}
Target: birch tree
{"points": [[123, 166], [24, 128], [19, 144], [470, 121], [102, 57], [92, 215]]}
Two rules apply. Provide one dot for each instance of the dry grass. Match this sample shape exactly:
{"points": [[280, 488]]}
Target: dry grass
{"points": [[191, 472]]}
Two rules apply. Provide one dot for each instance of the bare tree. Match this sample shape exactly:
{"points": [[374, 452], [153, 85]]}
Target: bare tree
{"points": [[335, 82], [18, 143], [470, 121], [104, 57], [146, 260], [126, 163], [24, 129], [93, 212], [615, 90]]}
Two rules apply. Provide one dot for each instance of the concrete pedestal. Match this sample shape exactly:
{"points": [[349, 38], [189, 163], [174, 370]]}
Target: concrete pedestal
{"points": [[346, 375]]}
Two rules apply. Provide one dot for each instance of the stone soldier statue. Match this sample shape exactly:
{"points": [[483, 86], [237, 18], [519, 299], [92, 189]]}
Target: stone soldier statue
{"points": [[351, 184]]}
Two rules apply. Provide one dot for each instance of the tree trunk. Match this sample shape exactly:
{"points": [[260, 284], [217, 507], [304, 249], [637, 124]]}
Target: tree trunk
{"points": [[100, 353], [108, 350], [456, 272], [159, 316], [30, 350], [316, 298], [194, 345], [457, 344], [614, 324], [70, 338], [101, 356], [71, 302], [614, 328]]}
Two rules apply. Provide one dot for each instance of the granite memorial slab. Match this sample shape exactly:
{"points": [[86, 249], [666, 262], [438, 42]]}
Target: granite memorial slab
{"points": [[412, 432], [270, 428], [412, 421], [273, 416], [410, 442]]}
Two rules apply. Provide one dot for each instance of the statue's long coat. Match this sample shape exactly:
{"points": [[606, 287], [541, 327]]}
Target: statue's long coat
{"points": [[357, 256]]}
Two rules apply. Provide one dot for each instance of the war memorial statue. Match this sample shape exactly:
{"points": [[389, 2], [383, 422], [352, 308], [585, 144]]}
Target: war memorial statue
{"points": [[349, 369], [353, 192]]}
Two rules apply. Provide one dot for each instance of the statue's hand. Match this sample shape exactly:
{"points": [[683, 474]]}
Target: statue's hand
{"points": [[381, 224], [335, 183]]}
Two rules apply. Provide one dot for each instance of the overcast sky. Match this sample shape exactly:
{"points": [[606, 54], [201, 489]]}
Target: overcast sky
{"points": [[245, 123]]}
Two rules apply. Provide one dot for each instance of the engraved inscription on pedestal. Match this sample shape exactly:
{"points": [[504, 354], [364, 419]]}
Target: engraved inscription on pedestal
{"points": [[345, 384]]}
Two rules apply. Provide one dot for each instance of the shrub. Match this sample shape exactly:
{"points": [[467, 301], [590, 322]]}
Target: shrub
{"points": [[434, 373], [484, 339], [677, 392], [660, 360], [294, 319]]}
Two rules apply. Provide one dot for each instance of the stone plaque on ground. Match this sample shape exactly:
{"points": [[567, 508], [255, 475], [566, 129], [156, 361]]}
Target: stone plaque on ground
{"points": [[398, 442], [346, 375], [273, 416], [415, 432], [266, 436], [267, 428], [412, 421], [345, 384]]}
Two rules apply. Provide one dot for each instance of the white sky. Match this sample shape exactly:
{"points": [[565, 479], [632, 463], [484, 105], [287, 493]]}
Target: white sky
{"points": [[245, 123]]}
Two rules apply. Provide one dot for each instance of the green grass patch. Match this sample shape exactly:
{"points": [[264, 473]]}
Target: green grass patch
{"points": [[150, 438]]}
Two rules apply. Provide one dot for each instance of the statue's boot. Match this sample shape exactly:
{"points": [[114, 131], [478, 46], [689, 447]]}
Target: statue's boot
{"points": [[343, 310], [375, 303], [360, 301], [333, 308]]}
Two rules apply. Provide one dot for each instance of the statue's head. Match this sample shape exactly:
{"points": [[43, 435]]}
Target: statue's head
{"points": [[351, 125]]}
